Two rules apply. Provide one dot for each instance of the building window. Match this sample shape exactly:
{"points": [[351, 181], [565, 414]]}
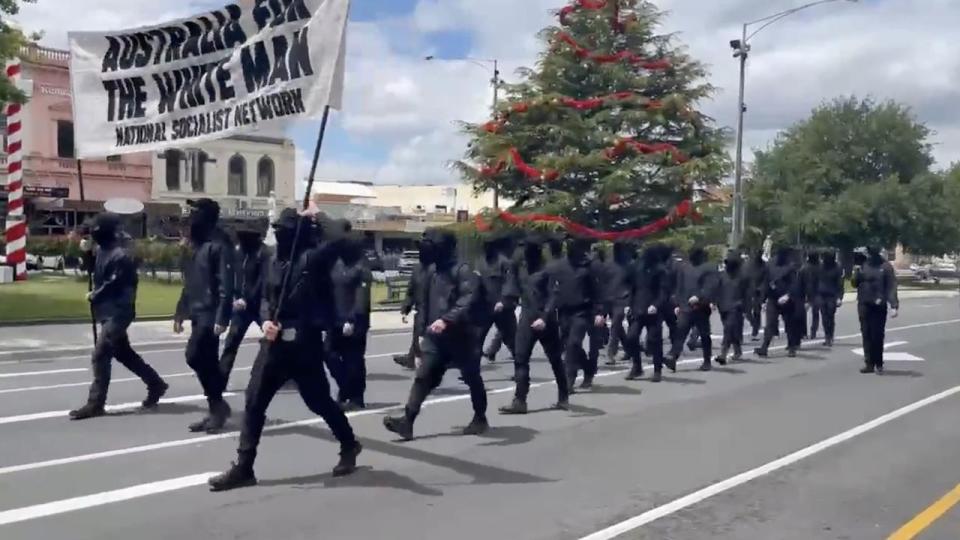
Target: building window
{"points": [[440, 209], [65, 139], [237, 176], [173, 157], [198, 171], [114, 158], [266, 177]]}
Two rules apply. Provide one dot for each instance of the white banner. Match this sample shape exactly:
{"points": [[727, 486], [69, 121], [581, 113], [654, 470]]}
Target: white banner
{"points": [[250, 64]]}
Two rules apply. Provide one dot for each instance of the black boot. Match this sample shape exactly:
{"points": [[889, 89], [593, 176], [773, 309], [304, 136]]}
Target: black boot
{"points": [[671, 363], [737, 353], [219, 413], [348, 460], [562, 404], [478, 426], [879, 369], [405, 361], [722, 360], [791, 353], [154, 393], [657, 377], [706, 366], [867, 369], [761, 352], [199, 425], [587, 383], [90, 410], [635, 372], [235, 478], [518, 406], [401, 425], [828, 342], [571, 386]]}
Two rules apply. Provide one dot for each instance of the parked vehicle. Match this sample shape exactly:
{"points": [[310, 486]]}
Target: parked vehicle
{"points": [[408, 260], [45, 262]]}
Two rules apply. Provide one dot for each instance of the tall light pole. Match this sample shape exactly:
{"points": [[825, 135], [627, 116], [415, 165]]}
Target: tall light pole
{"points": [[741, 50], [495, 81]]}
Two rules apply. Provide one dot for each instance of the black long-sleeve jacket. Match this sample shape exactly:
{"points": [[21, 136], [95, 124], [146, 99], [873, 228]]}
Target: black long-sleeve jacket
{"points": [[809, 281], [619, 276], [759, 276], [830, 282], [453, 294], [310, 274], [415, 287], [499, 282], [208, 279], [782, 279], [250, 274], [115, 280], [576, 288], [699, 281], [351, 292], [876, 284], [649, 285], [536, 295], [734, 291]]}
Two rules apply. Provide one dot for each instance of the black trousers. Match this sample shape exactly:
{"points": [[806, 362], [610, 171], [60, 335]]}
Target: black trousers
{"points": [[239, 325], [653, 324], [350, 352], [618, 334], [114, 343], [828, 312], [276, 364], [496, 343], [506, 323], [873, 329], [814, 318], [755, 313], [202, 357], [732, 331], [599, 337], [792, 322], [549, 339], [687, 321], [453, 348], [670, 319], [574, 326]]}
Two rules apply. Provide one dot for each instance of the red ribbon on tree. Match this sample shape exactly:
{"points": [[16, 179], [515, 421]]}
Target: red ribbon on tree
{"points": [[531, 172], [617, 24], [495, 126], [645, 148], [631, 57], [682, 210]]}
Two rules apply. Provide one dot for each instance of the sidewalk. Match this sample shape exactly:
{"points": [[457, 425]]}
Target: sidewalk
{"points": [[65, 338]]}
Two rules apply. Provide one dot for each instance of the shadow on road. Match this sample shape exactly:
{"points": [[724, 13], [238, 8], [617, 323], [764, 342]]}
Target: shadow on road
{"points": [[364, 477], [388, 377], [901, 373]]}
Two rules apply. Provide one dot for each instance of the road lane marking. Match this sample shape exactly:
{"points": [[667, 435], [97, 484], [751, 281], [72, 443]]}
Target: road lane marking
{"points": [[894, 356], [122, 407], [11, 469], [37, 373], [36, 511], [132, 379], [742, 478], [925, 519]]}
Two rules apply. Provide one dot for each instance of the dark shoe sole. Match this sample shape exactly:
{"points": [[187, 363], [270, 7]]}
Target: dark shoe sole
{"points": [[250, 482]]}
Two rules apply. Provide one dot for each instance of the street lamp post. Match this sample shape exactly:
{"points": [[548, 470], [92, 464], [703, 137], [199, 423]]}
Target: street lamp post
{"points": [[741, 50], [495, 82]]}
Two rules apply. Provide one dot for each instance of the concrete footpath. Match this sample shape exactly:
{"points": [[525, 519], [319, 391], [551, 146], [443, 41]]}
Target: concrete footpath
{"points": [[25, 341]]}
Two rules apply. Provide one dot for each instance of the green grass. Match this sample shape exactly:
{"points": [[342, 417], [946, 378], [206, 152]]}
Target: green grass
{"points": [[58, 297]]}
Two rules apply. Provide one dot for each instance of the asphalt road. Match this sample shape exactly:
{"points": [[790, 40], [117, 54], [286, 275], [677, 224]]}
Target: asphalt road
{"points": [[803, 448]]}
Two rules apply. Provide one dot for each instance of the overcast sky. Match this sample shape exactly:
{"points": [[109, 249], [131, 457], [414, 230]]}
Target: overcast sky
{"points": [[397, 125]]}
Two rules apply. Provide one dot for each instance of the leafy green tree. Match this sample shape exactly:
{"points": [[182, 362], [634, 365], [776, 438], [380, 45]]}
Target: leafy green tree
{"points": [[592, 118], [11, 39]]}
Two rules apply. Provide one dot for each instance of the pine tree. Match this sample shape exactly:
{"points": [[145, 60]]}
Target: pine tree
{"points": [[604, 130]]}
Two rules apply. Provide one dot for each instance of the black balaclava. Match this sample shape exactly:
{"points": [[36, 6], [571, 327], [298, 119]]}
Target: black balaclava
{"points": [[697, 256], [352, 251], [533, 253], [578, 250], [873, 255], [556, 247], [203, 220], [813, 258], [666, 254], [783, 256], [250, 241], [443, 245], [491, 247], [652, 256], [829, 259], [600, 253], [732, 262], [105, 229], [285, 231], [424, 255], [758, 258], [623, 253]]}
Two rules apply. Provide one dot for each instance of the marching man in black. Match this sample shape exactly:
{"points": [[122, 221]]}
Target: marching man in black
{"points": [[696, 287], [830, 294], [414, 301], [538, 323], [620, 270], [876, 284], [784, 299], [451, 306], [732, 300], [288, 351], [757, 273], [498, 273], [113, 300], [254, 259], [351, 292], [207, 301], [809, 279], [649, 290]]}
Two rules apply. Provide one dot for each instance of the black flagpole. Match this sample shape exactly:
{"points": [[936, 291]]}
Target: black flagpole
{"points": [[83, 197], [306, 205]]}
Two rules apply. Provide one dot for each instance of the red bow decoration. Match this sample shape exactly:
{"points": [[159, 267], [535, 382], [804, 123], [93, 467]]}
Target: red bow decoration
{"points": [[682, 210], [631, 57]]}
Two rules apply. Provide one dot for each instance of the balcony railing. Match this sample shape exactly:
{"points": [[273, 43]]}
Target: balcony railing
{"points": [[38, 53]]}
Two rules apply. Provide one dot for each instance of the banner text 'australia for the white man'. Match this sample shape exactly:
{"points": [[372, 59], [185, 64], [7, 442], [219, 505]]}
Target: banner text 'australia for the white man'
{"points": [[227, 71]]}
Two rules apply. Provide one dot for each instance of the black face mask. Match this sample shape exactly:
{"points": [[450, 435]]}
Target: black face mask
{"points": [[829, 260], [731, 265], [577, 252], [249, 243], [533, 255], [873, 255], [104, 237], [426, 254], [284, 238], [200, 227], [352, 252], [698, 257], [491, 251], [783, 257]]}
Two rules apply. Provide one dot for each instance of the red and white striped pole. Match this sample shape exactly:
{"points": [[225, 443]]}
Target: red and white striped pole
{"points": [[16, 227]]}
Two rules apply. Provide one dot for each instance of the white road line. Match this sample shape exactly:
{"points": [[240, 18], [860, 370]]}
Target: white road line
{"points": [[742, 478], [133, 379], [110, 408], [36, 373], [36, 511], [313, 421]]}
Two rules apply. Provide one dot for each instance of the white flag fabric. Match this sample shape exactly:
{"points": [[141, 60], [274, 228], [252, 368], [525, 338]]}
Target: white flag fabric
{"points": [[250, 64]]}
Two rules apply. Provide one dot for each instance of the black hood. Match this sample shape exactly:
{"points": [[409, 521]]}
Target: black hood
{"points": [[533, 251], [424, 255], [653, 255], [442, 244], [698, 256], [623, 252], [874, 254], [352, 250], [829, 259], [204, 216], [249, 241], [578, 250], [106, 227], [733, 261], [813, 258], [783, 255]]}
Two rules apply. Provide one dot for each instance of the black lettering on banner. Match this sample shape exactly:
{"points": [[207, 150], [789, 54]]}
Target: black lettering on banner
{"points": [[127, 53], [191, 46], [132, 97], [263, 106], [145, 134], [297, 96], [177, 37], [161, 38], [279, 73], [210, 42], [168, 92], [287, 103], [295, 10], [111, 88], [145, 50], [255, 65], [111, 57], [224, 82], [298, 60], [233, 34], [261, 14]]}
